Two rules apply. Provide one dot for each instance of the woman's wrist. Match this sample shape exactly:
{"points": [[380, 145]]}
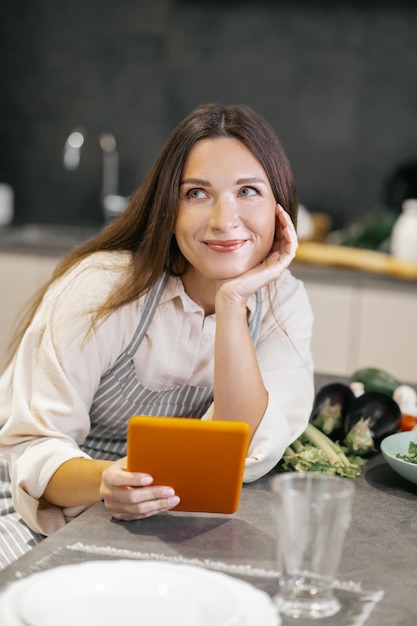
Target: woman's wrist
{"points": [[229, 302], [76, 482]]}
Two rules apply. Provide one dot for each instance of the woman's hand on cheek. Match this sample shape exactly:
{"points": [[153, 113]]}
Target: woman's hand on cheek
{"points": [[282, 253], [285, 244], [131, 495]]}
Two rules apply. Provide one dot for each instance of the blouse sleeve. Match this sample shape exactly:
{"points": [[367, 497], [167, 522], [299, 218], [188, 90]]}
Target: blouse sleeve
{"points": [[48, 390], [285, 360]]}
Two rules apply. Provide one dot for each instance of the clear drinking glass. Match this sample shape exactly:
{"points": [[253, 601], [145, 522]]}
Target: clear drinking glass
{"points": [[313, 515]]}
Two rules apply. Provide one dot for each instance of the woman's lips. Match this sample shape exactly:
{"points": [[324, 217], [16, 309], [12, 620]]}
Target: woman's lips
{"points": [[225, 246]]}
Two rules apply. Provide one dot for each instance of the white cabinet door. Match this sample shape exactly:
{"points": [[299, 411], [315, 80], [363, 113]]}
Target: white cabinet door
{"points": [[362, 322], [334, 326], [388, 331], [356, 324], [20, 277]]}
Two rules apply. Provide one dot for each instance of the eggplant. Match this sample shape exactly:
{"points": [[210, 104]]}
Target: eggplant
{"points": [[370, 418], [330, 408]]}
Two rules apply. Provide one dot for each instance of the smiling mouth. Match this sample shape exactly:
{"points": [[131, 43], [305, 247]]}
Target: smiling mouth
{"points": [[225, 246]]}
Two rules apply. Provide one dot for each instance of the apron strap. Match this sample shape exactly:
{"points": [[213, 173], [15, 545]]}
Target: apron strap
{"points": [[149, 307]]}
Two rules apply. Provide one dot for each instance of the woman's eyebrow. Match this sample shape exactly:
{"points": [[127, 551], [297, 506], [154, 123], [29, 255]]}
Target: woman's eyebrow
{"points": [[195, 181], [240, 181], [251, 179]]}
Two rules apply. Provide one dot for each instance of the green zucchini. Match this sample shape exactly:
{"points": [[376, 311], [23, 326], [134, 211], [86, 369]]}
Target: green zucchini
{"points": [[374, 379]]}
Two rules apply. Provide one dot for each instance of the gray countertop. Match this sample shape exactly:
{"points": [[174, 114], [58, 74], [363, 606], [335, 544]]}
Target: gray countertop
{"points": [[379, 552], [378, 560], [44, 239], [330, 275]]}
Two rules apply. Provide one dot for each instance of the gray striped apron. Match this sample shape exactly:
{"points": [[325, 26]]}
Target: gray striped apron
{"points": [[119, 396]]}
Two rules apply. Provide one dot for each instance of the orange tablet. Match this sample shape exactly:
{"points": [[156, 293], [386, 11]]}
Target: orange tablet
{"points": [[202, 460]]}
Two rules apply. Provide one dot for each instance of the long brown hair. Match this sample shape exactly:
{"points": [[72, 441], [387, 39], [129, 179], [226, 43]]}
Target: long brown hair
{"points": [[146, 226]]}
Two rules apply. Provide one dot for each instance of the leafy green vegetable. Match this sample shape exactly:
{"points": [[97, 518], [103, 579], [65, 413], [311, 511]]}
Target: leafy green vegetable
{"points": [[411, 457], [315, 451]]}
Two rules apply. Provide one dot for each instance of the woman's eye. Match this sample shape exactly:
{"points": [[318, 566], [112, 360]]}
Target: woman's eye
{"points": [[195, 194], [248, 191]]}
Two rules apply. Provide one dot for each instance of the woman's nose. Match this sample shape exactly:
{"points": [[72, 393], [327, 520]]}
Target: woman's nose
{"points": [[224, 214]]}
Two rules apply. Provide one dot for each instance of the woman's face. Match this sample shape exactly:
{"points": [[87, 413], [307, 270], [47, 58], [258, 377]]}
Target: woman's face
{"points": [[227, 212]]}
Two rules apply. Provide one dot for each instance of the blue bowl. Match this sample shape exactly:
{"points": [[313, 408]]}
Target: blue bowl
{"points": [[398, 444]]}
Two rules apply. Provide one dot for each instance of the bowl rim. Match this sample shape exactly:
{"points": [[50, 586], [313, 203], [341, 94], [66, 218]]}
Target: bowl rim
{"points": [[405, 436]]}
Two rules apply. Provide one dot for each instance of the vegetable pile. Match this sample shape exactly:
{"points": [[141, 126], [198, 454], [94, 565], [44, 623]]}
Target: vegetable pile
{"points": [[316, 452], [347, 425]]}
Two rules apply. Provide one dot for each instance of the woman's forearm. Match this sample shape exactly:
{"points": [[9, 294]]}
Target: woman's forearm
{"points": [[76, 482], [239, 391]]}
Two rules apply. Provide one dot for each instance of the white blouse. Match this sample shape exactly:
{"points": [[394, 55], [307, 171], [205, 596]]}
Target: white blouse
{"points": [[47, 391]]}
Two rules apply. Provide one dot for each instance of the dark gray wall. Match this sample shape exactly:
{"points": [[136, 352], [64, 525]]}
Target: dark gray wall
{"points": [[337, 79]]}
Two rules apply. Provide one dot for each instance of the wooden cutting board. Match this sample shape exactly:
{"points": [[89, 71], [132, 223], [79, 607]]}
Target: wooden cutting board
{"points": [[355, 258]]}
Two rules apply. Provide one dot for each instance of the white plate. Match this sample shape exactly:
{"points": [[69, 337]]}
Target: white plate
{"points": [[103, 593]]}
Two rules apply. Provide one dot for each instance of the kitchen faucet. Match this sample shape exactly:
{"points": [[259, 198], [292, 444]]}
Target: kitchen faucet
{"points": [[111, 202]]}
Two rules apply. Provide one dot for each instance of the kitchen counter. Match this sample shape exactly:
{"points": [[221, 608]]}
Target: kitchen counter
{"points": [[376, 576], [44, 239], [378, 556], [331, 274]]}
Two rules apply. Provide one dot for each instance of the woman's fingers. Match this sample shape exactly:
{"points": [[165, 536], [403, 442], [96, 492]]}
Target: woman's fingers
{"points": [[144, 504], [140, 502], [284, 246], [131, 495], [285, 234]]}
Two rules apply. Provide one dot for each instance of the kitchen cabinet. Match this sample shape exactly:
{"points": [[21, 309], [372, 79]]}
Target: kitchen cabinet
{"points": [[362, 320], [21, 275], [388, 330], [333, 308]]}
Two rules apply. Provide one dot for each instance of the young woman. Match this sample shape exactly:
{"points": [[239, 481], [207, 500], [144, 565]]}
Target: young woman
{"points": [[182, 306]]}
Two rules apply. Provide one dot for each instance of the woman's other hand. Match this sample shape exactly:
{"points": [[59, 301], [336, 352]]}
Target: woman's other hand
{"points": [[279, 258], [131, 495]]}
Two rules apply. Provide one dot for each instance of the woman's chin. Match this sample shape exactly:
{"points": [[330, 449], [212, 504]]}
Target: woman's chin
{"points": [[223, 268], [227, 273]]}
